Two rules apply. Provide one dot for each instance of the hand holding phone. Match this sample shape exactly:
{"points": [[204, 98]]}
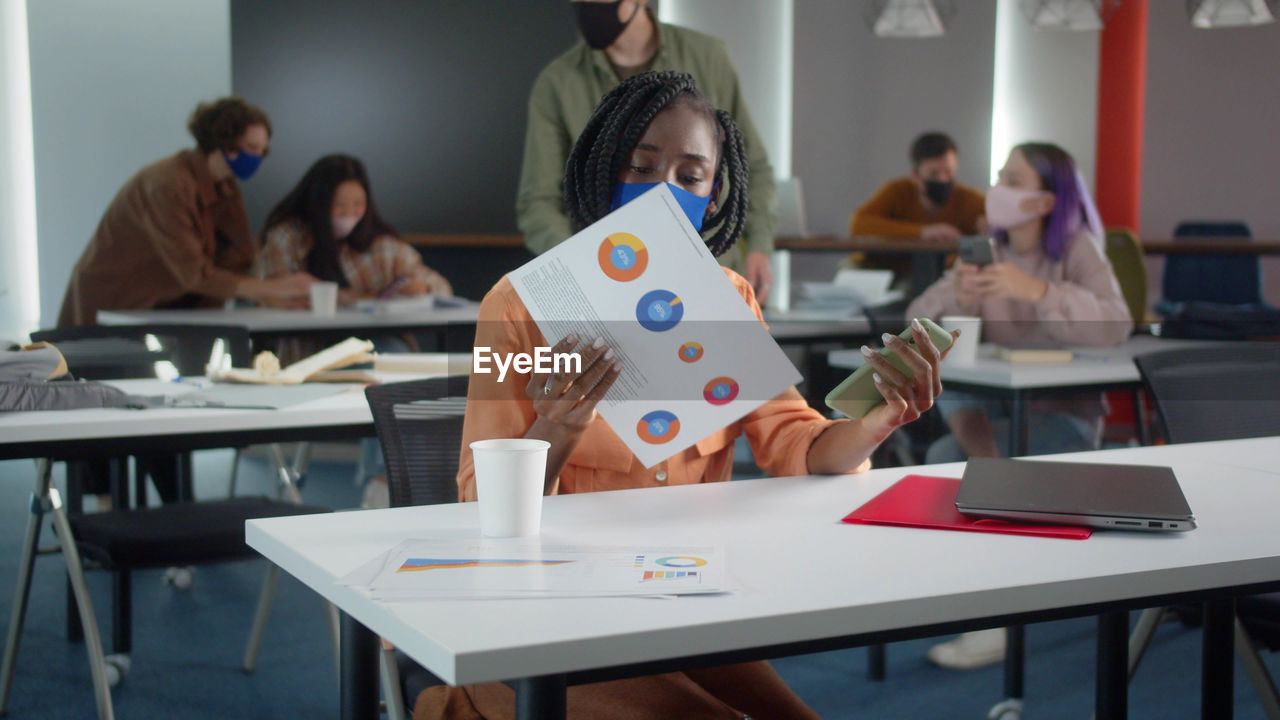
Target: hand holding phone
{"points": [[857, 395], [977, 250]]}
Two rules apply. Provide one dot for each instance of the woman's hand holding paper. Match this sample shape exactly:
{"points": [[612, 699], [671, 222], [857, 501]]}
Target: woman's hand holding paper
{"points": [[565, 402]]}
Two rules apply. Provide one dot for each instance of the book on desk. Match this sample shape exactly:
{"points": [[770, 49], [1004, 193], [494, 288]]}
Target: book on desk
{"points": [[1033, 355]]}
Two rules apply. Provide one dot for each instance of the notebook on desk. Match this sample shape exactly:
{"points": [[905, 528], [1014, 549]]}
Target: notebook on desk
{"points": [[923, 501], [1121, 497]]}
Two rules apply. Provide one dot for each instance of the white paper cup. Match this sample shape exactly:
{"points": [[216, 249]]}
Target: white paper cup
{"points": [[509, 480], [324, 298], [965, 349]]}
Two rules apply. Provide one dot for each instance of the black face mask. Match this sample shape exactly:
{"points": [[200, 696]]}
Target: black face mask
{"points": [[938, 192], [599, 23]]}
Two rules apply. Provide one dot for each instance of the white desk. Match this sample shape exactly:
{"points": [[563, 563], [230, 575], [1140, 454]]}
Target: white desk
{"points": [[817, 325], [1091, 368], [114, 433], [808, 583], [82, 434], [270, 323]]}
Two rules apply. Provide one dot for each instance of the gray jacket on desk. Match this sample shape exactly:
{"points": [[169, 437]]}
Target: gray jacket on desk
{"points": [[36, 378]]}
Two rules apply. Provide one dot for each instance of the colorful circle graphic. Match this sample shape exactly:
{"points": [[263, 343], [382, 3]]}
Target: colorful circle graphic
{"points": [[681, 561], [690, 352], [659, 310], [658, 427], [623, 257], [720, 391]]}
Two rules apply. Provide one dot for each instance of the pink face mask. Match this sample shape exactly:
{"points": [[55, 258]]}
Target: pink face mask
{"points": [[344, 224], [1004, 206]]}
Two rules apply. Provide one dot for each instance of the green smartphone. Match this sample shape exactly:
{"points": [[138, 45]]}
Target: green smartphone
{"points": [[858, 394]]}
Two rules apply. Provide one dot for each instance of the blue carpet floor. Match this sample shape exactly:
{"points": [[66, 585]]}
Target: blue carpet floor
{"points": [[187, 645]]}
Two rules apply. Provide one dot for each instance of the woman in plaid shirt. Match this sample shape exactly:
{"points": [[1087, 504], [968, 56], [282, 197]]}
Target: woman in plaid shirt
{"points": [[329, 226]]}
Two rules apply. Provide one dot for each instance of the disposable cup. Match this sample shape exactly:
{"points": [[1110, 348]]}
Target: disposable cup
{"points": [[965, 349], [509, 481], [324, 298]]}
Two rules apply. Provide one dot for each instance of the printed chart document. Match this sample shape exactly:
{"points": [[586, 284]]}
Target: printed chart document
{"points": [[695, 356], [492, 568]]}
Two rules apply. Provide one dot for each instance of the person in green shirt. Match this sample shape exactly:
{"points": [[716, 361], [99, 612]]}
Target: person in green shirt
{"points": [[620, 39]]}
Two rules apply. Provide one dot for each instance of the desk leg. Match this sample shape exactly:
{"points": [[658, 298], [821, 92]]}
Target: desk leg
{"points": [[1218, 658], [26, 565], [541, 698], [1111, 699], [1019, 417], [358, 685], [876, 657], [1014, 660]]}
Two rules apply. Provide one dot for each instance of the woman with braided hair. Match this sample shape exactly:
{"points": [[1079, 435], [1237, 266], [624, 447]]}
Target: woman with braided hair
{"points": [[656, 127]]}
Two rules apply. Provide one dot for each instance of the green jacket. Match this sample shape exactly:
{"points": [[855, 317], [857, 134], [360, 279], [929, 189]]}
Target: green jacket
{"points": [[568, 90]]}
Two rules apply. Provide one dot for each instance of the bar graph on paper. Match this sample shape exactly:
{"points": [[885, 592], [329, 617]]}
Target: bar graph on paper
{"points": [[451, 566]]}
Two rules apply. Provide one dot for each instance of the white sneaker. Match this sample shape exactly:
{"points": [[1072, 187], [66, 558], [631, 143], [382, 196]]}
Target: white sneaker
{"points": [[970, 650], [376, 495]]}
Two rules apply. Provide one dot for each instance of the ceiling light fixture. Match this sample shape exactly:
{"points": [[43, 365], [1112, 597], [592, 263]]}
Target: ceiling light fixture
{"points": [[909, 18], [1230, 13], [1068, 14]]}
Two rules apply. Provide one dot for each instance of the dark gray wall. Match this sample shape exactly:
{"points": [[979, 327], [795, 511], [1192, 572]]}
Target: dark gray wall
{"points": [[860, 100], [1209, 131], [431, 95], [1209, 137]]}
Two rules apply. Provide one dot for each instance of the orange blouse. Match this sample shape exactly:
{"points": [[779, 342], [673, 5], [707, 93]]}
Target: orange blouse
{"points": [[779, 431]]}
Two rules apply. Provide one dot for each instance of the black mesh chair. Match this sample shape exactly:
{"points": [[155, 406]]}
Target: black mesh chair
{"points": [[1220, 393], [419, 426], [184, 533]]}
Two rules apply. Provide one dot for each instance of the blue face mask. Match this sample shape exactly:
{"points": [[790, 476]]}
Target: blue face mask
{"points": [[695, 208], [244, 165]]}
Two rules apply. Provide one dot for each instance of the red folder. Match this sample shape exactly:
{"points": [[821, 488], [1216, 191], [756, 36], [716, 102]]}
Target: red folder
{"points": [[930, 502]]}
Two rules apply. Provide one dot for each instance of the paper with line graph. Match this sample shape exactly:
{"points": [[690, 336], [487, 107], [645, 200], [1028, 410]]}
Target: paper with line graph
{"points": [[476, 568]]}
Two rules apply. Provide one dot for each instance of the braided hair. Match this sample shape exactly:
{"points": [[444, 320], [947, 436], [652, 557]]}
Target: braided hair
{"points": [[614, 130]]}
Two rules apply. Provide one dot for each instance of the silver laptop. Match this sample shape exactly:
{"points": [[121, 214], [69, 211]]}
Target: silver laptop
{"points": [[1120, 497]]}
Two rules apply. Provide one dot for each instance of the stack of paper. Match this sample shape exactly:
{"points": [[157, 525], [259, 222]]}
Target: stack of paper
{"points": [[852, 287], [454, 567]]}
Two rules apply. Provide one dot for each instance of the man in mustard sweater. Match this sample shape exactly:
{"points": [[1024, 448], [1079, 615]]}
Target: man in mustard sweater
{"points": [[929, 204]]}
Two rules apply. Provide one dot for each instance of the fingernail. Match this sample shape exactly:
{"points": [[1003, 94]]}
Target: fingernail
{"points": [[915, 325], [877, 378], [608, 354], [573, 338], [617, 365], [885, 338], [598, 343], [868, 352]]}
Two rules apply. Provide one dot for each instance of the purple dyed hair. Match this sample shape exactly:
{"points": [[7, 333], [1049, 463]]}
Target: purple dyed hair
{"points": [[1073, 208]]}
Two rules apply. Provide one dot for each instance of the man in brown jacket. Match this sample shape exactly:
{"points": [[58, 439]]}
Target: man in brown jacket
{"points": [[177, 233]]}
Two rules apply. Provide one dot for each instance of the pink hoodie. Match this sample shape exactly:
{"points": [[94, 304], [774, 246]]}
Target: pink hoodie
{"points": [[1082, 307]]}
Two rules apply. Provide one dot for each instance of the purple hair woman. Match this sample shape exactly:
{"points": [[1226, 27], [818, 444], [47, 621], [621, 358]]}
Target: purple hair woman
{"points": [[1072, 208], [1049, 285]]}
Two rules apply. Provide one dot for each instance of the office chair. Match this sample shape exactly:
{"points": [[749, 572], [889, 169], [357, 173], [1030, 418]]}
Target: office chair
{"points": [[122, 540], [1222, 393], [1127, 261], [419, 426], [1226, 279], [1127, 418]]}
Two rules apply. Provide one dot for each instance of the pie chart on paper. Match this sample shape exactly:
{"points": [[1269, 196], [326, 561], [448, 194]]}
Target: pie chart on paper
{"points": [[623, 257], [720, 391], [658, 427], [659, 310]]}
